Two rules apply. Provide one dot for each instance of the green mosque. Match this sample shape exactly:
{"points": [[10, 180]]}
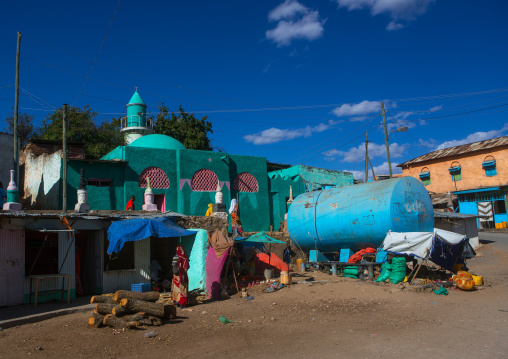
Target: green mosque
{"points": [[186, 181]]}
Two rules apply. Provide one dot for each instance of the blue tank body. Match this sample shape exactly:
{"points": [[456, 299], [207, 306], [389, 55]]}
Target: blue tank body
{"points": [[359, 216]]}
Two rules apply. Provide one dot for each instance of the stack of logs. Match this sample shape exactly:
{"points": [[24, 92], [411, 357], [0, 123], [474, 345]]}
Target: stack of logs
{"points": [[125, 309]]}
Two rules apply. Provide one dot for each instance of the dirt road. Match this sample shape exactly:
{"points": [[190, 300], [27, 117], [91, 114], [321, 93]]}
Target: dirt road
{"points": [[340, 318]]}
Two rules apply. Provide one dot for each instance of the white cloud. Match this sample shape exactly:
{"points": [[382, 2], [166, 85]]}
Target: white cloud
{"points": [[383, 169], [475, 137], [436, 108], [398, 10], [274, 135], [357, 174], [294, 21], [361, 109], [357, 154]]}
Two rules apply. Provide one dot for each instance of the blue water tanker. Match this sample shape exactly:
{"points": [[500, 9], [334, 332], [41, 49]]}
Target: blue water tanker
{"points": [[359, 216]]}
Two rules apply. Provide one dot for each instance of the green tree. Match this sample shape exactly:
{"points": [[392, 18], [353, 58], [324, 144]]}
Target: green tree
{"points": [[184, 127], [25, 127], [98, 139]]}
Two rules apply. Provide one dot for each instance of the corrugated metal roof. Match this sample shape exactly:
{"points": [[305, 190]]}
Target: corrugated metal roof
{"points": [[94, 215], [458, 150], [455, 215]]}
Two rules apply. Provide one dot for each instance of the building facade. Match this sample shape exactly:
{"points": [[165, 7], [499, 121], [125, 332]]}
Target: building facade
{"points": [[183, 181], [477, 173]]}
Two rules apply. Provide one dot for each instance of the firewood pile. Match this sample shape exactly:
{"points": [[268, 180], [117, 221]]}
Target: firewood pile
{"points": [[124, 309]]}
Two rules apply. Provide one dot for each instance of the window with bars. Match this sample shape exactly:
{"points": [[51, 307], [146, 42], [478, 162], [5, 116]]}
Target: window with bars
{"points": [[204, 180], [158, 178], [99, 182], [245, 182]]}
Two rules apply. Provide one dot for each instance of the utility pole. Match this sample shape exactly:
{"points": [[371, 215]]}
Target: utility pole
{"points": [[386, 140], [367, 157], [16, 101], [64, 149]]}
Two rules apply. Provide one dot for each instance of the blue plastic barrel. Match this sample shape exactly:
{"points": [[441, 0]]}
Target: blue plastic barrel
{"points": [[359, 216]]}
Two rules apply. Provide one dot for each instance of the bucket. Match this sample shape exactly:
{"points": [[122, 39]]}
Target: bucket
{"points": [[478, 279], [268, 274], [285, 278]]}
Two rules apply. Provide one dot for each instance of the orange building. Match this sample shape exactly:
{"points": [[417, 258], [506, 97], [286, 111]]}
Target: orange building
{"points": [[477, 173]]}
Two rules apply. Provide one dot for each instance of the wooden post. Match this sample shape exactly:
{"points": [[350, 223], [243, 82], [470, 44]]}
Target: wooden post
{"points": [[16, 102], [64, 170], [386, 140]]}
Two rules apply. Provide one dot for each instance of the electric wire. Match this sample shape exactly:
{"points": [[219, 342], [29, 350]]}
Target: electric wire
{"points": [[98, 52]]}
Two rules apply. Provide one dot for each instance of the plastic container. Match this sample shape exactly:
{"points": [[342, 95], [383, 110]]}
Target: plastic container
{"points": [[268, 274], [505, 224], [285, 278], [478, 279], [299, 263], [141, 287]]}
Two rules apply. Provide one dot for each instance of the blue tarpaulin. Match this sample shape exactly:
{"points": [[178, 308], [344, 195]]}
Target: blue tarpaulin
{"points": [[140, 228]]}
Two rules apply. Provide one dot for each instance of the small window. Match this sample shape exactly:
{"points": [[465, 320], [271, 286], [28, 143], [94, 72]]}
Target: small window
{"points": [[499, 207], [99, 182], [425, 176], [455, 171], [122, 260], [489, 165]]}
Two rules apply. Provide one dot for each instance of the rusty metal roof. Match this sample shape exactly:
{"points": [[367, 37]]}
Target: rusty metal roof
{"points": [[458, 150]]}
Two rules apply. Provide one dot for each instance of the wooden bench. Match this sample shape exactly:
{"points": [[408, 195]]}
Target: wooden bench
{"points": [[62, 291]]}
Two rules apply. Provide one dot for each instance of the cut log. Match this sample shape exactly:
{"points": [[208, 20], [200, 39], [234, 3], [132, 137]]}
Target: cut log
{"points": [[169, 311], [105, 308], [96, 320], [135, 317], [146, 296], [120, 311], [106, 298], [151, 320], [134, 305], [113, 321]]}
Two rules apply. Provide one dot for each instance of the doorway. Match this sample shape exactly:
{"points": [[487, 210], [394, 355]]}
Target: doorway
{"points": [[88, 263], [160, 201]]}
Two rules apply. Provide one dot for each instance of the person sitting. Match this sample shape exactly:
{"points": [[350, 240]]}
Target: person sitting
{"points": [[130, 204]]}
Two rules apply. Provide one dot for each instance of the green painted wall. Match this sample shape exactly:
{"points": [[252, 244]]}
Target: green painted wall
{"points": [[103, 198]]}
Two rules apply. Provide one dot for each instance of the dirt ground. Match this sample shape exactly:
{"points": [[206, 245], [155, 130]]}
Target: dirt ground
{"points": [[337, 318]]}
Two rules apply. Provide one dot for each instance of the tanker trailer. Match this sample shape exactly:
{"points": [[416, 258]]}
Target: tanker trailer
{"points": [[359, 216]]}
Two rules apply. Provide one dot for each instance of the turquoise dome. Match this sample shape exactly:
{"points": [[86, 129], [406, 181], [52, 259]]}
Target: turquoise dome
{"points": [[158, 141]]}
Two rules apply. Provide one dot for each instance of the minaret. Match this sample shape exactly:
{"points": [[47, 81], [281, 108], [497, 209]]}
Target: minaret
{"points": [[135, 124]]}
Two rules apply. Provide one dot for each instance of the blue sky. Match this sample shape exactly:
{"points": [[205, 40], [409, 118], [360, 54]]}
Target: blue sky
{"points": [[294, 81]]}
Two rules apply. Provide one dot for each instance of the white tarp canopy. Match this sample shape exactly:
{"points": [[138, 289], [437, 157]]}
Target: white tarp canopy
{"points": [[418, 243]]}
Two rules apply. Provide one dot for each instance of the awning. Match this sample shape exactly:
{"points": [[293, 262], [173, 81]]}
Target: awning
{"points": [[130, 230], [260, 237]]}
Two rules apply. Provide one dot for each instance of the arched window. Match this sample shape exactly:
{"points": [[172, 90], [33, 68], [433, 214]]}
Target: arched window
{"points": [[158, 178], [245, 182], [204, 180], [425, 176], [489, 165], [455, 171]]}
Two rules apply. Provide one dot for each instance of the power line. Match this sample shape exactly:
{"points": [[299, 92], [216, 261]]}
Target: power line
{"points": [[457, 114], [98, 52]]}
